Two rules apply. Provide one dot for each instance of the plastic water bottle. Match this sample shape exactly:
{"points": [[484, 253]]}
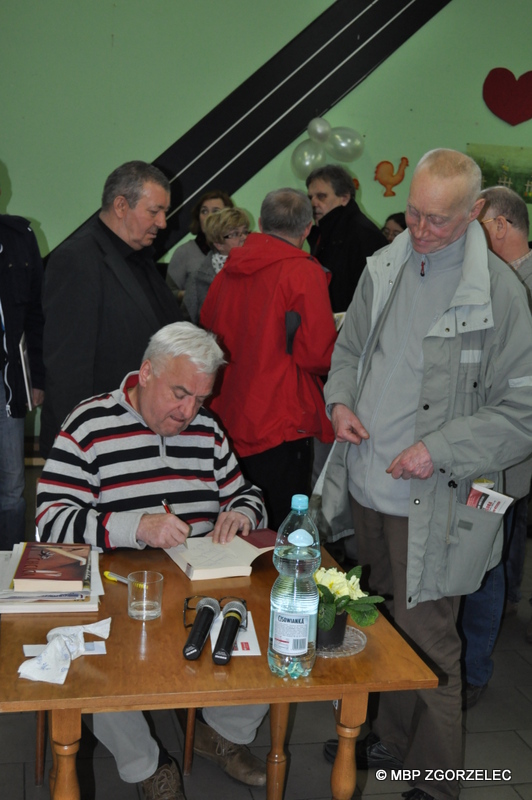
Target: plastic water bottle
{"points": [[294, 596]]}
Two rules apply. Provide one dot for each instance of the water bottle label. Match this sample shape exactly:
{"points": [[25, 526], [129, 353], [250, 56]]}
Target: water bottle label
{"points": [[301, 538], [290, 633]]}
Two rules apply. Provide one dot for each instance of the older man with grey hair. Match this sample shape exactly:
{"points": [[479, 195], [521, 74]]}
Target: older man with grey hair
{"points": [[270, 308], [103, 297], [506, 223], [505, 220], [429, 389], [343, 237], [124, 450]]}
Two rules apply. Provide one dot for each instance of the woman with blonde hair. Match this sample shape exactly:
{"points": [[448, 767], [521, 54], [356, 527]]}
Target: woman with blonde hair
{"points": [[191, 254], [223, 231]]}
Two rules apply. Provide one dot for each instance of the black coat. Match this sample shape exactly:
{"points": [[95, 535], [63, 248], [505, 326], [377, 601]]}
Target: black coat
{"points": [[342, 242], [20, 295], [98, 320]]}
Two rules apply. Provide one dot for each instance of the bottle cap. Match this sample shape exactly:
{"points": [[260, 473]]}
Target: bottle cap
{"points": [[299, 502], [301, 538]]}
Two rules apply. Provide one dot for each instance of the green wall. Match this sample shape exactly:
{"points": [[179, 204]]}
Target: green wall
{"points": [[88, 85], [428, 94]]}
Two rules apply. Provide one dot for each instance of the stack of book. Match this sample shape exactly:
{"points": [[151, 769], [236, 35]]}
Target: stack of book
{"points": [[37, 577]]}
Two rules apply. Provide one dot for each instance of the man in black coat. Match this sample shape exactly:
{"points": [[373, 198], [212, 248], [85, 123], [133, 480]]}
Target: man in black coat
{"points": [[343, 237], [20, 313], [103, 296]]}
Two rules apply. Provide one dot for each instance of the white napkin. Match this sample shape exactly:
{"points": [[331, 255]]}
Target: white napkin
{"points": [[65, 644]]}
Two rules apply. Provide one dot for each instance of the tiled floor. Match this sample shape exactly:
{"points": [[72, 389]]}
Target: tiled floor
{"points": [[498, 736]]}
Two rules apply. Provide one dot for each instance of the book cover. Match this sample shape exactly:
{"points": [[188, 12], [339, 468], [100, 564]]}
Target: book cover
{"points": [[489, 500], [12, 602], [204, 560], [52, 567]]}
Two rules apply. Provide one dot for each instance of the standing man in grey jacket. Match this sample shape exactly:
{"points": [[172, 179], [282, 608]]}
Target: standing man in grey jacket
{"points": [[429, 388]]}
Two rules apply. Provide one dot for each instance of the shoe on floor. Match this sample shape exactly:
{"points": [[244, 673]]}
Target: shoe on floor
{"points": [[164, 784], [417, 794], [369, 752], [472, 695], [235, 759]]}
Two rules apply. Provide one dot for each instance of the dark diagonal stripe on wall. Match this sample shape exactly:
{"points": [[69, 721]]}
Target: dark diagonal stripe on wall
{"points": [[326, 61], [312, 73]]}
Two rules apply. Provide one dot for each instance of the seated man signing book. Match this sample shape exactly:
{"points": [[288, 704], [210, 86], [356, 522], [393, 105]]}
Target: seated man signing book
{"points": [[115, 459]]}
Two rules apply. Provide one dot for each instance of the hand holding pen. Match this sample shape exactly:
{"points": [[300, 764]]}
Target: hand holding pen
{"points": [[163, 530], [169, 511]]}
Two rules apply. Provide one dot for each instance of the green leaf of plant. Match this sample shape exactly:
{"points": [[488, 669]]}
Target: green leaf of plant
{"points": [[325, 594], [356, 571], [362, 606], [365, 617], [342, 603], [370, 599], [326, 616]]}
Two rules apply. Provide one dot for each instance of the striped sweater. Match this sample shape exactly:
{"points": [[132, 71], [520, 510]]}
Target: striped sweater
{"points": [[107, 469]]}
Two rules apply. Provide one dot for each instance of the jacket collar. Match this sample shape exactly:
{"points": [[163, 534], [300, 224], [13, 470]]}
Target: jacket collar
{"points": [[470, 308], [117, 262]]}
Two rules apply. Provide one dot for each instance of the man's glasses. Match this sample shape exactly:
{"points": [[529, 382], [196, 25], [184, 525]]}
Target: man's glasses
{"points": [[492, 219]]}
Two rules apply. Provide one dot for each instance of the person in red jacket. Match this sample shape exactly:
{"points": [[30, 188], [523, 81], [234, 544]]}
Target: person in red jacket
{"points": [[270, 309]]}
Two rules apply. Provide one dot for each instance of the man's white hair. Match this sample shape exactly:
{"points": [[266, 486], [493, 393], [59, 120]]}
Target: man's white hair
{"points": [[450, 164], [185, 339]]}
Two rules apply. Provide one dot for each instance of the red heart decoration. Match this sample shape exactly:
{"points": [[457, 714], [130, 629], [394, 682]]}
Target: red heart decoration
{"points": [[508, 98]]}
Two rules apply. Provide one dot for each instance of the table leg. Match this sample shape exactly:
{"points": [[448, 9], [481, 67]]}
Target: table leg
{"points": [[53, 769], [65, 734], [350, 715], [276, 760]]}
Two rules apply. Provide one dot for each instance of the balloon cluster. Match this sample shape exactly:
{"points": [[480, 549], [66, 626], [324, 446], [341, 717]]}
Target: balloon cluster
{"points": [[341, 144]]}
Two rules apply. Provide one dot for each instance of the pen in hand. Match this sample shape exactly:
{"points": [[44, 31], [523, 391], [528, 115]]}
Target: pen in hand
{"points": [[169, 511]]}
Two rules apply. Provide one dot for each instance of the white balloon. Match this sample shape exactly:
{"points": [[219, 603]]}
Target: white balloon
{"points": [[318, 129], [344, 144], [307, 156]]}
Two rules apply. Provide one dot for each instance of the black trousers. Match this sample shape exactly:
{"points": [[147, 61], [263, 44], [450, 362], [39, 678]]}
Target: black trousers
{"points": [[280, 472]]}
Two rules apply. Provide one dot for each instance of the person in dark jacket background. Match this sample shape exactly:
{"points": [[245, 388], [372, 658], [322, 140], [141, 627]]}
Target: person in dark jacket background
{"points": [[342, 237], [20, 313], [103, 297]]}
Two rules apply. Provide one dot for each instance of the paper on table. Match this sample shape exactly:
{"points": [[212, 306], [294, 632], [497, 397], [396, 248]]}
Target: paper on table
{"points": [[64, 645], [246, 642], [91, 649]]}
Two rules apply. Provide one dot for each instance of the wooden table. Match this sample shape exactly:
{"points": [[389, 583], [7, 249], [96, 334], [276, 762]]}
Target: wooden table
{"points": [[144, 669]]}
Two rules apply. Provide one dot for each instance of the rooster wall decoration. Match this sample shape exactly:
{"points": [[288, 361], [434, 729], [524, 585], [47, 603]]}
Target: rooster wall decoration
{"points": [[385, 175]]}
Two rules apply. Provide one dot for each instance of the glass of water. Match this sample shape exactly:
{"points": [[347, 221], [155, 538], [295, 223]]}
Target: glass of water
{"points": [[144, 594]]}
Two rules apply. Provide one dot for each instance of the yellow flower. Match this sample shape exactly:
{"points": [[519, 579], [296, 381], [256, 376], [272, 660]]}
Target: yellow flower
{"points": [[353, 586], [334, 581]]}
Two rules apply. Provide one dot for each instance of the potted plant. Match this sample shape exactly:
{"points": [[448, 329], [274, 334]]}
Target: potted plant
{"points": [[340, 595]]}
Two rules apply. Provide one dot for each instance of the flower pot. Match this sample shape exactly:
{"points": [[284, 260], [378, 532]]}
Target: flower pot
{"points": [[335, 636]]}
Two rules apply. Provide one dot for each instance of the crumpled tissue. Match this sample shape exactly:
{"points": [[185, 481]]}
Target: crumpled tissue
{"points": [[65, 644]]}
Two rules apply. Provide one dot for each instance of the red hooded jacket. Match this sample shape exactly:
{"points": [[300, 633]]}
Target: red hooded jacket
{"points": [[270, 391]]}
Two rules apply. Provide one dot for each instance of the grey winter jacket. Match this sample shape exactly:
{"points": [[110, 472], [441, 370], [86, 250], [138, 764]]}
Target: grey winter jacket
{"points": [[474, 413]]}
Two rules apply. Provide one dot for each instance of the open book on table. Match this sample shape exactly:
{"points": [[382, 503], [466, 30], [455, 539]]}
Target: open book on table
{"points": [[204, 560]]}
